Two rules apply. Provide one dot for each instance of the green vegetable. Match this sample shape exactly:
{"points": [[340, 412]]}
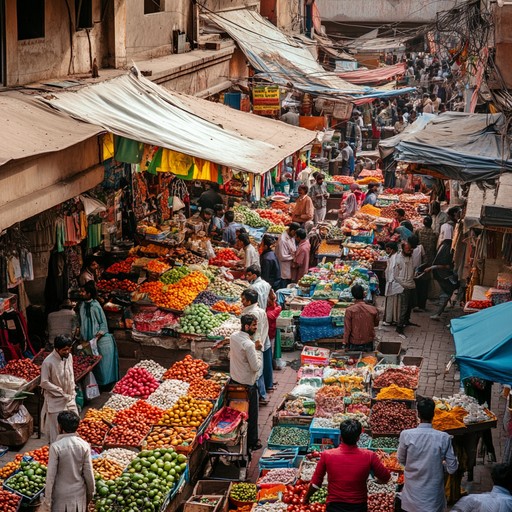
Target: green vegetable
{"points": [[319, 496], [244, 492], [289, 436]]}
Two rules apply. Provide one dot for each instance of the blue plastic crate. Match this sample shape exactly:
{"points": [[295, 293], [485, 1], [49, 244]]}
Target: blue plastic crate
{"points": [[365, 239], [323, 435], [276, 462], [312, 332]]}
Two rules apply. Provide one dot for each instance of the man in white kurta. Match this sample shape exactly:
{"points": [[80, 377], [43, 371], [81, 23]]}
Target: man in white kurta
{"points": [[58, 385], [250, 303], [70, 476], [285, 252]]}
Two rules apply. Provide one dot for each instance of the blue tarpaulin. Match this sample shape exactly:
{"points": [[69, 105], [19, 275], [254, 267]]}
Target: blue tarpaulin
{"points": [[483, 344]]}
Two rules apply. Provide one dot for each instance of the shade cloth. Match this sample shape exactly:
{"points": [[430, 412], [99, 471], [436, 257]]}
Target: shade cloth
{"points": [[370, 76], [135, 108], [465, 147], [483, 344], [284, 60]]}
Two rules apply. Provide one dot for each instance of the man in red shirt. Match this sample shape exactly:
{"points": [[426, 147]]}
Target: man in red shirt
{"points": [[347, 469]]}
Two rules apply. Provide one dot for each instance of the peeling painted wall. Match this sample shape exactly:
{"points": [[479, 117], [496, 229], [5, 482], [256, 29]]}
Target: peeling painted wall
{"points": [[413, 11]]}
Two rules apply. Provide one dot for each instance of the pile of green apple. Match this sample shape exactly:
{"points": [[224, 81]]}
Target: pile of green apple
{"points": [[144, 485]]}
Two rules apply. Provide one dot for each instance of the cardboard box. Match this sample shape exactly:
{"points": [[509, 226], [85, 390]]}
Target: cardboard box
{"points": [[389, 351]]}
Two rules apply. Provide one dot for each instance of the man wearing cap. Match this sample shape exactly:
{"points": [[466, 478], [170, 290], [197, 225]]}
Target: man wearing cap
{"points": [[319, 195]]}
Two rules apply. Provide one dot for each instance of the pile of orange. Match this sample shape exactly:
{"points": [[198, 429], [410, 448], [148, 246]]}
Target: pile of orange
{"points": [[226, 307]]}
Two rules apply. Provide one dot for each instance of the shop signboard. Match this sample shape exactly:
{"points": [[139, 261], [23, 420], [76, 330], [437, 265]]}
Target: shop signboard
{"points": [[266, 100]]}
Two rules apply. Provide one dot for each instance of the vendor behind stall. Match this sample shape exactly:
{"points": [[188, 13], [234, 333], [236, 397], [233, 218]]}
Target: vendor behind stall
{"points": [[230, 228], [93, 326], [209, 198], [217, 223], [203, 219], [89, 272], [58, 385], [360, 322], [304, 210], [62, 322], [371, 195], [250, 254]]}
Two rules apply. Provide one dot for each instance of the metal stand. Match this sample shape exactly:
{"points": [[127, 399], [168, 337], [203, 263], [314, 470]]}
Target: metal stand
{"points": [[228, 461]]}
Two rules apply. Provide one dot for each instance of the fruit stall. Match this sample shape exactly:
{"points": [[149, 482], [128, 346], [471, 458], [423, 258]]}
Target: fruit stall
{"points": [[147, 440]]}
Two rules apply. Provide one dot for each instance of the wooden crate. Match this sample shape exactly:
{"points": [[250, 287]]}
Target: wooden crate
{"points": [[192, 505]]}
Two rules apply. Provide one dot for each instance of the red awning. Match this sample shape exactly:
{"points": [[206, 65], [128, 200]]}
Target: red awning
{"points": [[373, 76]]}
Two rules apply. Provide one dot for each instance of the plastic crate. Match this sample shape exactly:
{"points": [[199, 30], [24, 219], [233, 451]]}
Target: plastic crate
{"points": [[324, 438], [281, 459], [365, 239], [287, 338], [313, 333], [323, 435], [275, 446]]}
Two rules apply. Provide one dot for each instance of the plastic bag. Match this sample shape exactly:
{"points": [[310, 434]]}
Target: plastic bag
{"points": [[16, 430], [92, 389], [94, 346], [305, 390]]}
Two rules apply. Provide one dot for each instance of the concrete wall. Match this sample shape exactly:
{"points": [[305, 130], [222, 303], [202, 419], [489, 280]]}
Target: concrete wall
{"points": [[284, 14], [503, 38], [414, 11], [60, 52], [27, 185], [224, 5], [149, 36]]}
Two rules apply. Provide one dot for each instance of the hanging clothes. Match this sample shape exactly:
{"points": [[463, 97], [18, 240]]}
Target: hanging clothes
{"points": [[94, 235], [127, 150], [13, 271], [60, 234]]}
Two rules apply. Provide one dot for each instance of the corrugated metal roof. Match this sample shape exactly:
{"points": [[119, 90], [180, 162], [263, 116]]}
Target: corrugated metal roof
{"points": [[283, 60], [30, 128], [132, 106]]}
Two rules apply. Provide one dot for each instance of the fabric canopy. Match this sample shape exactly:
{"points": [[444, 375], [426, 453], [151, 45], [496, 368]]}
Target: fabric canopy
{"points": [[133, 107], [283, 60], [371, 76], [465, 147], [387, 146], [483, 344], [30, 128]]}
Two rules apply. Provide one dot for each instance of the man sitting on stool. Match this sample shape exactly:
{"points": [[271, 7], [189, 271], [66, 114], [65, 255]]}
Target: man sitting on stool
{"points": [[360, 322]]}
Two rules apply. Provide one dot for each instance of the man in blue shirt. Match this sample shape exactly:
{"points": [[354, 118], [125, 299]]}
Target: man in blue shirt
{"points": [[230, 228], [425, 454]]}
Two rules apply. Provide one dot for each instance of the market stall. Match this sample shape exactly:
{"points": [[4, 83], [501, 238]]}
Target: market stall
{"points": [[152, 426], [332, 387]]}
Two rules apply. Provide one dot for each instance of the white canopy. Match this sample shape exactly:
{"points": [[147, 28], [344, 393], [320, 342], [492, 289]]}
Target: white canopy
{"points": [[133, 107]]}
